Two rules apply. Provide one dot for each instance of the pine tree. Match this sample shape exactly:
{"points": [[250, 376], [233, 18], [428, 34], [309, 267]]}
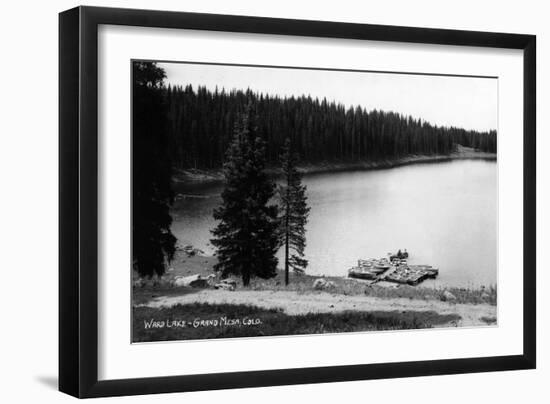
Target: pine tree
{"points": [[246, 236], [154, 244], [294, 213]]}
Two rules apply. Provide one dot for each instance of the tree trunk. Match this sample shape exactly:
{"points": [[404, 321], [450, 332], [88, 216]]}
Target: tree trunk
{"points": [[287, 219]]}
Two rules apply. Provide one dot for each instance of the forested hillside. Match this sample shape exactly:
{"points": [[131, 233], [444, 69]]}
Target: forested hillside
{"points": [[202, 123]]}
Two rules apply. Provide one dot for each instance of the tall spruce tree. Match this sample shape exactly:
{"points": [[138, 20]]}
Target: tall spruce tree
{"points": [[246, 236], [154, 244], [294, 213]]}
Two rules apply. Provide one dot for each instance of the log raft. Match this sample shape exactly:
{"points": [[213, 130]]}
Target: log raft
{"points": [[394, 269]]}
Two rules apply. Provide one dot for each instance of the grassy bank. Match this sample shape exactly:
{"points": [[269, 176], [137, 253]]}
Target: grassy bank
{"points": [[350, 287], [201, 321], [185, 266]]}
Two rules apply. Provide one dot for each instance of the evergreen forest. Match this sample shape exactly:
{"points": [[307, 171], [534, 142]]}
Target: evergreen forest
{"points": [[202, 123]]}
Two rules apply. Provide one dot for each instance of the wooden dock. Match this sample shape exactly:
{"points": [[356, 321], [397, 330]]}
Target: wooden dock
{"points": [[410, 274]]}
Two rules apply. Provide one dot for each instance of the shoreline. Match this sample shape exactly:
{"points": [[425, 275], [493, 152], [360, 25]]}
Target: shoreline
{"points": [[184, 266], [215, 176], [341, 305]]}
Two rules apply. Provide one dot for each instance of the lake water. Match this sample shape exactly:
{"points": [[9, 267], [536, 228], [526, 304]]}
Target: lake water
{"points": [[444, 214]]}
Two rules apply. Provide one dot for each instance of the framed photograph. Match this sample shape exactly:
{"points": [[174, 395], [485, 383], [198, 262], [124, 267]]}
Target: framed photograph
{"points": [[268, 201]]}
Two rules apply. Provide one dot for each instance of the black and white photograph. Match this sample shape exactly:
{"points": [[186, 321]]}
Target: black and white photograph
{"points": [[273, 201]]}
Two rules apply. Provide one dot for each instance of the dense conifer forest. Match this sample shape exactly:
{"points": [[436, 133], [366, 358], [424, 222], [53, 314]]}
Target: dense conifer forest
{"points": [[201, 125]]}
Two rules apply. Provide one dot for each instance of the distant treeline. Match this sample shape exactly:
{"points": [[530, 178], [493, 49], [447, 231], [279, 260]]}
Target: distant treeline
{"points": [[201, 125]]}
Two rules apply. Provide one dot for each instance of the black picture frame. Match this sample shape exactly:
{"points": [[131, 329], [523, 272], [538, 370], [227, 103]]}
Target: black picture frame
{"points": [[78, 201]]}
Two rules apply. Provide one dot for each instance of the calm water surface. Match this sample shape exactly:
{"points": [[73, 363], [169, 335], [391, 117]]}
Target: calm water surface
{"points": [[444, 214]]}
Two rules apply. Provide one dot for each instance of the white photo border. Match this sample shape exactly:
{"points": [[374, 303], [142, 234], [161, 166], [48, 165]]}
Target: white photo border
{"points": [[118, 45]]}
